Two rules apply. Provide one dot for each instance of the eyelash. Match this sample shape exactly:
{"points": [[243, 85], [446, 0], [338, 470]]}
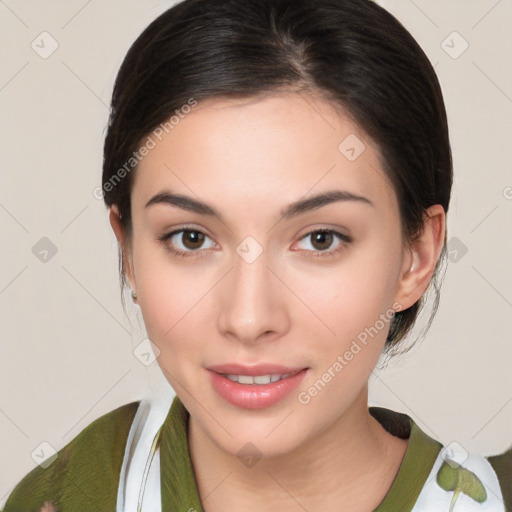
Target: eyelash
{"points": [[344, 239]]}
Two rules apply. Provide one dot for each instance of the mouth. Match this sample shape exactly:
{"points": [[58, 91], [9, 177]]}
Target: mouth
{"points": [[258, 379], [255, 387]]}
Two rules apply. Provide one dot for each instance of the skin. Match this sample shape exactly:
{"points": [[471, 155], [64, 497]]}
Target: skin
{"points": [[249, 159]]}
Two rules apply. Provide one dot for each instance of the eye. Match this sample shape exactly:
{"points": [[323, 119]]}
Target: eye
{"points": [[188, 242], [321, 241], [185, 242]]}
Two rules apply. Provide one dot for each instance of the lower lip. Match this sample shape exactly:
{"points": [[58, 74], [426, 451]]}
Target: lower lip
{"points": [[255, 396]]}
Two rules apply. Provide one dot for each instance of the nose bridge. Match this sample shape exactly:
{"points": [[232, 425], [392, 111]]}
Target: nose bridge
{"points": [[250, 303]]}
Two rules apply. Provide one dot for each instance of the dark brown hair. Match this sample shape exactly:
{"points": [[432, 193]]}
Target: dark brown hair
{"points": [[352, 51]]}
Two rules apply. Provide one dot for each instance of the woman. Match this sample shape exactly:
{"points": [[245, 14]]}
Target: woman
{"points": [[278, 175]]}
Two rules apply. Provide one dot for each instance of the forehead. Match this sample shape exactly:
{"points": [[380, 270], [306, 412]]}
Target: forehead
{"points": [[274, 149]]}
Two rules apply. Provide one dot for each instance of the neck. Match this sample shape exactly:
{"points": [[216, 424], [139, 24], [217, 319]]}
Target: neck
{"points": [[349, 466]]}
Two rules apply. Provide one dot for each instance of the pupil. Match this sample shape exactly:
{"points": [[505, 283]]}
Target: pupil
{"points": [[323, 238]]}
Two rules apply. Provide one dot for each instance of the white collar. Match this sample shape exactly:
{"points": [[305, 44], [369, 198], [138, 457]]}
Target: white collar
{"points": [[140, 471]]}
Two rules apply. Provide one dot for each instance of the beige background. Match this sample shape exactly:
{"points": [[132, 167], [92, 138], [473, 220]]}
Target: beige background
{"points": [[67, 346]]}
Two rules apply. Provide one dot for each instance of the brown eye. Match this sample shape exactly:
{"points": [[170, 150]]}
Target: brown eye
{"points": [[186, 242], [324, 242], [192, 239], [321, 240]]}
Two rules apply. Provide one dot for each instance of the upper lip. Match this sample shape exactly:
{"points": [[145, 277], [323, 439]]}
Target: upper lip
{"points": [[254, 370]]}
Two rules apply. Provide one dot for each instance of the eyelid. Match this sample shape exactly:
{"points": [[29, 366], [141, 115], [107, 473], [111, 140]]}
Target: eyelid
{"points": [[342, 231]]}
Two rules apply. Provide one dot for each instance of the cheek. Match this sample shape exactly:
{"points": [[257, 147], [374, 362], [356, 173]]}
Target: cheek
{"points": [[349, 298], [170, 297], [354, 300], [356, 305]]}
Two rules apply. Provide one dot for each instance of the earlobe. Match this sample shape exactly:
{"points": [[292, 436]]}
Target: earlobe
{"points": [[421, 259]]}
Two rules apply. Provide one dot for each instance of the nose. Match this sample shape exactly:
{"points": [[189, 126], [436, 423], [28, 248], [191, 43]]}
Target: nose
{"points": [[252, 302]]}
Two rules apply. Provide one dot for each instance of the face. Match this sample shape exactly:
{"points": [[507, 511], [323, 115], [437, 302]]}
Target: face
{"points": [[262, 280]]}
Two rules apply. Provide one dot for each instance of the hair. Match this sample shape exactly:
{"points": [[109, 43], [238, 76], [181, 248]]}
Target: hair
{"points": [[352, 52]]}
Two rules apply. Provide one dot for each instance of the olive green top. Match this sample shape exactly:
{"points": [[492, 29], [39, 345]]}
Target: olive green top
{"points": [[85, 475]]}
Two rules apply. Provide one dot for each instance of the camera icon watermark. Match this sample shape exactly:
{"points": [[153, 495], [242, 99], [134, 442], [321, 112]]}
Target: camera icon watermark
{"points": [[146, 352], [454, 454], [44, 454], [249, 455], [249, 249], [507, 193], [44, 45], [454, 45], [44, 250], [352, 147], [457, 249]]}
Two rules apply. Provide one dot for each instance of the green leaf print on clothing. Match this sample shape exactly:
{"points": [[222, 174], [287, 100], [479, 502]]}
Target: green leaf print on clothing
{"points": [[460, 480]]}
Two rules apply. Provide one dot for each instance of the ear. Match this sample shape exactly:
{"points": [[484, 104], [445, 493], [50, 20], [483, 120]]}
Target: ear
{"points": [[420, 258], [117, 227]]}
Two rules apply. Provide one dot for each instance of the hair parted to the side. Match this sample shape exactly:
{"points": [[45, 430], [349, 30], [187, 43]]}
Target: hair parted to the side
{"points": [[352, 52]]}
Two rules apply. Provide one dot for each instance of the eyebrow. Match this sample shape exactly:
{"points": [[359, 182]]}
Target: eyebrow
{"points": [[292, 210]]}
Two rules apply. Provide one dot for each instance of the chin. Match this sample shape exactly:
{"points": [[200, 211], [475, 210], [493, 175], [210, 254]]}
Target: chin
{"points": [[276, 433]]}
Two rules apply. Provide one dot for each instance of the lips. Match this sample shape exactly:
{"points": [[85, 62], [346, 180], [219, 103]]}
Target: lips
{"points": [[254, 387]]}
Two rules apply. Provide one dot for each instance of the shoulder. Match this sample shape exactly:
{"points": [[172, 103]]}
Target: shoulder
{"points": [[502, 465], [477, 482], [434, 476], [85, 472]]}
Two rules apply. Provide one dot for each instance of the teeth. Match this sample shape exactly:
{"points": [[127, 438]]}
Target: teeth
{"points": [[258, 379]]}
